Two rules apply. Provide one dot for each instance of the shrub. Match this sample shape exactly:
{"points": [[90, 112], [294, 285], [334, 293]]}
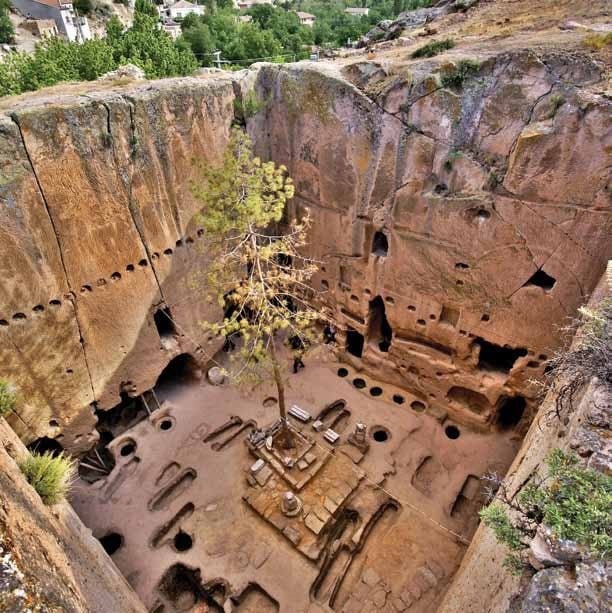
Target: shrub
{"points": [[434, 47], [49, 475], [574, 502], [556, 102], [590, 357], [462, 71], [8, 397]]}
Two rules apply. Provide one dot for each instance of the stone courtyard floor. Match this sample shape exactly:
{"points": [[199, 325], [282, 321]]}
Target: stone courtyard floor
{"points": [[193, 529]]}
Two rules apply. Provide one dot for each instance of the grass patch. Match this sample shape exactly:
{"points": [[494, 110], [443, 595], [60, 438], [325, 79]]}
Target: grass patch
{"points": [[598, 41], [49, 475], [556, 102], [8, 397], [433, 48], [463, 70]]}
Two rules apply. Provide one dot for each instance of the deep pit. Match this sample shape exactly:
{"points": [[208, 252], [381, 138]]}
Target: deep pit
{"points": [[451, 251]]}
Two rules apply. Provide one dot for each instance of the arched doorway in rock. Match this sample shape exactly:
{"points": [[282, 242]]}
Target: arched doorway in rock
{"points": [[380, 333], [380, 244], [181, 370], [354, 342]]}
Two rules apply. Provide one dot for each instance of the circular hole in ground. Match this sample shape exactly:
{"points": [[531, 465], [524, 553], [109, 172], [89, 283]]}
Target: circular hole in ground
{"points": [[53, 423], [398, 399], [380, 434], [166, 424], [418, 406], [452, 432], [359, 383], [111, 542], [182, 541], [127, 448], [343, 372], [269, 401], [376, 391]]}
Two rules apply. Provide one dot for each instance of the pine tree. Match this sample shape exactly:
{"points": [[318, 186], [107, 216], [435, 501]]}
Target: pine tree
{"points": [[257, 274]]}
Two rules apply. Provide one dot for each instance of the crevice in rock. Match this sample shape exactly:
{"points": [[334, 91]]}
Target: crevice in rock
{"points": [[15, 119], [130, 174]]}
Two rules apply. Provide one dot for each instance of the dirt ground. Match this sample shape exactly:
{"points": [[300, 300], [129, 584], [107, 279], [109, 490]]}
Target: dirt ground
{"points": [[174, 513]]}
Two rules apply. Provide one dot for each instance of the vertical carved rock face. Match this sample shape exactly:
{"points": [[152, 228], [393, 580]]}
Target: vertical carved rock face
{"points": [[458, 226]]}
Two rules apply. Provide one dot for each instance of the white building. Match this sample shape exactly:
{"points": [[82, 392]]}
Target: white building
{"points": [[73, 27], [306, 19], [182, 8], [247, 4], [357, 12]]}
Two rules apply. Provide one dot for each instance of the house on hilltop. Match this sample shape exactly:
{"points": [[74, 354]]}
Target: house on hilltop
{"points": [[74, 27], [306, 19]]}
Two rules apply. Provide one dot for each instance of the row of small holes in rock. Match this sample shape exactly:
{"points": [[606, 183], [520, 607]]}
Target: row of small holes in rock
{"points": [[87, 288], [376, 391]]}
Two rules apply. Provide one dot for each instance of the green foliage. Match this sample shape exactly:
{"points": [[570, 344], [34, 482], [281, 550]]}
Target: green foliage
{"points": [[433, 48], [243, 192], [275, 30], [49, 475], [556, 102], [248, 106], [56, 60], [574, 502], [7, 32], [495, 517], [463, 70], [8, 397]]}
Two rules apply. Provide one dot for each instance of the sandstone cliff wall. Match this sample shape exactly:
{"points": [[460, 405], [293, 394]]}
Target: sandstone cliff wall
{"points": [[49, 561], [490, 196], [482, 583], [97, 213]]}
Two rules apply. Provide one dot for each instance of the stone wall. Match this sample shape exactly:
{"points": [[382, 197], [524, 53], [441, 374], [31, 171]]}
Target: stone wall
{"points": [[48, 559]]}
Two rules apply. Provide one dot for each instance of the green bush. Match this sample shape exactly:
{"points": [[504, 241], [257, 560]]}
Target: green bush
{"points": [[8, 397], [434, 47], [49, 475], [574, 502], [462, 71]]}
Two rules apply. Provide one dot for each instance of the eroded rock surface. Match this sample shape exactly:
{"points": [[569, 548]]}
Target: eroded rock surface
{"points": [[458, 222]]}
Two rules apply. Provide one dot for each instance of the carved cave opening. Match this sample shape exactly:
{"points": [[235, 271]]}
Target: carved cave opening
{"points": [[380, 245], [510, 411], [497, 358], [46, 445], [164, 322], [184, 368], [354, 342], [541, 279], [380, 333]]}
